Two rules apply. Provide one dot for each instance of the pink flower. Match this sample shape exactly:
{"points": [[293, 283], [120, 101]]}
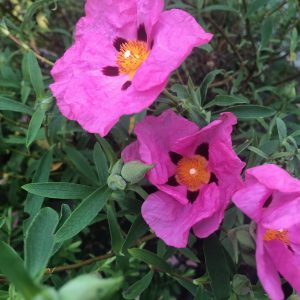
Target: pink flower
{"points": [[271, 197], [196, 172], [123, 54]]}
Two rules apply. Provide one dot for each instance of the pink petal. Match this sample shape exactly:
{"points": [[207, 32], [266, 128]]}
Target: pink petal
{"points": [[211, 199], [283, 214], [286, 262], [266, 269], [251, 199], [171, 221], [131, 152], [275, 178], [175, 35], [156, 136]]}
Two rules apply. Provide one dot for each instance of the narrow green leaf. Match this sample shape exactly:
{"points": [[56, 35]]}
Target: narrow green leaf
{"points": [[115, 231], [12, 105], [266, 31], [137, 229], [33, 202], [81, 164], [39, 241], [187, 285], [258, 152], [220, 7], [151, 259], [108, 150], [226, 100], [59, 190], [208, 79], [138, 287], [83, 214], [34, 126], [11, 265], [217, 267], [101, 163], [35, 75], [189, 254], [281, 128], [251, 111]]}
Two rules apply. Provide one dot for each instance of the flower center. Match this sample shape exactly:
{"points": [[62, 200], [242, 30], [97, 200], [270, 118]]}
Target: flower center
{"points": [[281, 235], [192, 172], [131, 55]]}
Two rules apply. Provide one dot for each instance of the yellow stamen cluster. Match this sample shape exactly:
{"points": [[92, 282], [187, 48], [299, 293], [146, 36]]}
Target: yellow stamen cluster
{"points": [[192, 172], [131, 55]]}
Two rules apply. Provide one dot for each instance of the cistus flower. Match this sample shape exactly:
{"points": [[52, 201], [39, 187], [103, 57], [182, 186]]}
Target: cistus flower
{"points": [[196, 172], [271, 197], [123, 54]]}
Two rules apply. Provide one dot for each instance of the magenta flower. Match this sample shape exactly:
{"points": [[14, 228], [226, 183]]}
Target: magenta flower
{"points": [[123, 54], [271, 197], [196, 172]]}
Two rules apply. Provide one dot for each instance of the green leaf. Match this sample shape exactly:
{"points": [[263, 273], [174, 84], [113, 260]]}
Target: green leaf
{"points": [[137, 229], [115, 231], [251, 111], [34, 126], [81, 164], [101, 163], [266, 31], [217, 268], [258, 152], [255, 6], [83, 214], [138, 287], [208, 79], [219, 7], [12, 105], [151, 259], [35, 75], [59, 190], [90, 287], [39, 241], [108, 150], [11, 265], [187, 285], [33, 202], [282, 130], [226, 100]]}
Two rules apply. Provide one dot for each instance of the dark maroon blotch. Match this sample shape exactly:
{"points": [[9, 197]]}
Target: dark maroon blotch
{"points": [[203, 150], [118, 42], [213, 178], [126, 85], [268, 202], [111, 71], [141, 33], [175, 157], [192, 196], [172, 181]]}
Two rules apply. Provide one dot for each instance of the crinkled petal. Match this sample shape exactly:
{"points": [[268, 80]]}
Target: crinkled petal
{"points": [[175, 35], [148, 13], [266, 269], [286, 262], [156, 136], [211, 200], [274, 178], [250, 200], [171, 221], [282, 215], [131, 152]]}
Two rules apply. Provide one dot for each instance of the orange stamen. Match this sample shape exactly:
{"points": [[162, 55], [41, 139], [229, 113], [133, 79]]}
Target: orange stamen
{"points": [[281, 235], [192, 172], [131, 55]]}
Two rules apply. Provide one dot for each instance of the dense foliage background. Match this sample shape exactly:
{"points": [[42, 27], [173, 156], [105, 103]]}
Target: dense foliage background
{"points": [[57, 212]]}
